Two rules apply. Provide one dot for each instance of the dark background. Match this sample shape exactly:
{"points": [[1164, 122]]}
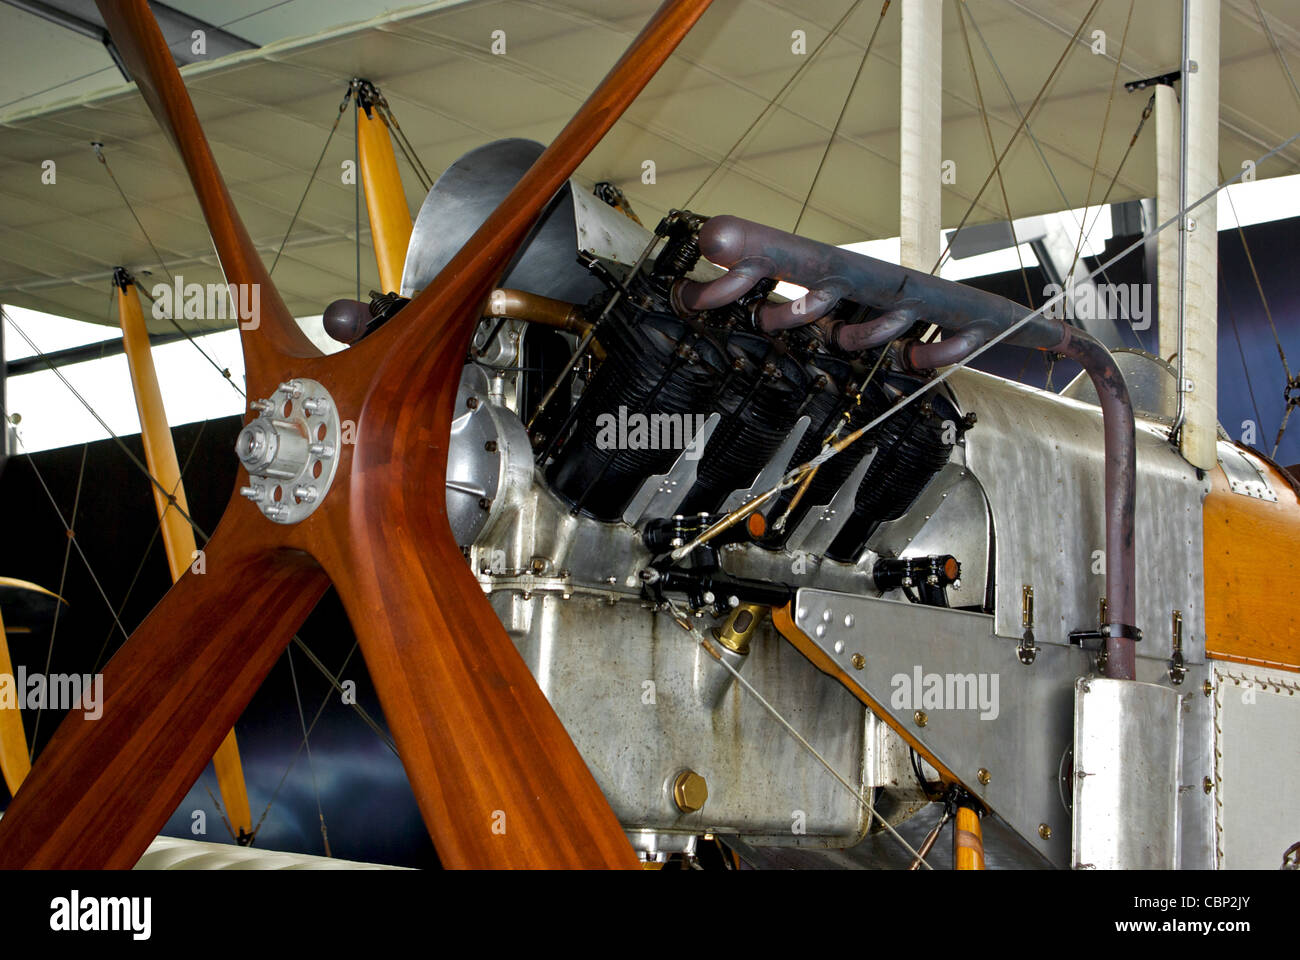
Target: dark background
{"points": [[365, 799]]}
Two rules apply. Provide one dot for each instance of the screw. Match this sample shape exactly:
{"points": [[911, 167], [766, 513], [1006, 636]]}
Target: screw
{"points": [[472, 403], [490, 446], [261, 406], [484, 503], [1045, 831], [292, 387], [539, 564], [920, 718], [316, 405], [983, 776], [305, 492], [1207, 785], [1208, 688], [859, 661], [322, 450], [253, 493]]}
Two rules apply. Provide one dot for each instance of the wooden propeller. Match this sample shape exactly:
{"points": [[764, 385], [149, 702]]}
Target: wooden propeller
{"points": [[497, 779]]}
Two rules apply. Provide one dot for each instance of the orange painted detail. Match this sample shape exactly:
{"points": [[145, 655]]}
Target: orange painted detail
{"points": [[967, 840], [1252, 562], [390, 218], [757, 525], [783, 620]]}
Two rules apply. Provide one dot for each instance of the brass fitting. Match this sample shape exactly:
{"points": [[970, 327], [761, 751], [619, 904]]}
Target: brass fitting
{"points": [[690, 791], [735, 633]]}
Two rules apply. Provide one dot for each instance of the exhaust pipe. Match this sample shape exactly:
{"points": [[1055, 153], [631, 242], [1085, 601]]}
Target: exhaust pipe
{"points": [[972, 317]]}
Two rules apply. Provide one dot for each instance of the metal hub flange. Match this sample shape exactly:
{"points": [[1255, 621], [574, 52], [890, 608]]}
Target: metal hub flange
{"points": [[290, 450]]}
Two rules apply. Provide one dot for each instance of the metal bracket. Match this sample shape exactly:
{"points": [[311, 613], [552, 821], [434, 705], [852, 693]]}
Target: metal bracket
{"points": [[822, 524], [661, 494], [772, 471], [1026, 649], [917, 664], [1244, 477], [1177, 666]]}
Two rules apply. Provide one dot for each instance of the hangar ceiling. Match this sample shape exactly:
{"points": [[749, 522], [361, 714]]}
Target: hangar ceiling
{"points": [[267, 111]]}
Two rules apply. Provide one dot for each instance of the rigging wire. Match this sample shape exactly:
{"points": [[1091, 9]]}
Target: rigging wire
{"points": [[113, 66], [1101, 142], [306, 739], [168, 495], [1291, 383], [840, 119], [1232, 319], [343, 105], [148, 550], [221, 812], [72, 536], [294, 759], [685, 623], [338, 687], [1029, 130], [988, 135], [1277, 50], [797, 473], [58, 607], [771, 104], [1015, 134], [224, 371]]}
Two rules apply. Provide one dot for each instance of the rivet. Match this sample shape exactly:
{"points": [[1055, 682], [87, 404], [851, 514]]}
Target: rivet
{"points": [[1045, 831], [858, 661], [983, 776], [920, 718]]}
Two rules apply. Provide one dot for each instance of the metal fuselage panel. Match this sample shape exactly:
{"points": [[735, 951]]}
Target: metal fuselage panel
{"points": [[1040, 461]]}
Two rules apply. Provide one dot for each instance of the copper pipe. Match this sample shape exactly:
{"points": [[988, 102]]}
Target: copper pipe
{"points": [[534, 308]]}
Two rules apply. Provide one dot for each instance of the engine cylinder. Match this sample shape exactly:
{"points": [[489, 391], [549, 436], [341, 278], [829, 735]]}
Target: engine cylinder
{"points": [[759, 403], [640, 410], [911, 447]]}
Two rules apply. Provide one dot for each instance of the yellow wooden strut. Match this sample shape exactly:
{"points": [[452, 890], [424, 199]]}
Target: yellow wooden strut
{"points": [[390, 218], [15, 759], [177, 534], [14, 762], [967, 839]]}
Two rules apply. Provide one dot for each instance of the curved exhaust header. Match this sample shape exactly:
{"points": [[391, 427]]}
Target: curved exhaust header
{"points": [[972, 317]]}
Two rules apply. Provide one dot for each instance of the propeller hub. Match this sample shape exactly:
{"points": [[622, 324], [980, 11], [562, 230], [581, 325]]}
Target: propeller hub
{"points": [[290, 450]]}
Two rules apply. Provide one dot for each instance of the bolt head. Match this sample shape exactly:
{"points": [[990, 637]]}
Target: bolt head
{"points": [[858, 661], [690, 791]]}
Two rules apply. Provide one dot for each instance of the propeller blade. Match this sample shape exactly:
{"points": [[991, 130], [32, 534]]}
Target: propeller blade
{"points": [[104, 785], [140, 42], [478, 737]]}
